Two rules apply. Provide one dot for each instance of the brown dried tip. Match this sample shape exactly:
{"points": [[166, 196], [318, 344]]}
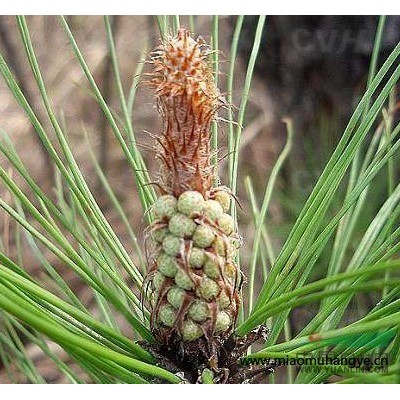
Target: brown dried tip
{"points": [[187, 99]]}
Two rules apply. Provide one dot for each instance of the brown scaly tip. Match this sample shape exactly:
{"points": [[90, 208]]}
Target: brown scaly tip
{"points": [[187, 100]]}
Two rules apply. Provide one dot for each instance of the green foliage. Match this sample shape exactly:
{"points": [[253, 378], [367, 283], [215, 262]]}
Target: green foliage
{"points": [[75, 231]]}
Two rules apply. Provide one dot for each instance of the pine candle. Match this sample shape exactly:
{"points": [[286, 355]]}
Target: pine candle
{"points": [[194, 279]]}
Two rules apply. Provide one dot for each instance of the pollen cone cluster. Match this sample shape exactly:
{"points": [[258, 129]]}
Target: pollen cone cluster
{"points": [[193, 279]]}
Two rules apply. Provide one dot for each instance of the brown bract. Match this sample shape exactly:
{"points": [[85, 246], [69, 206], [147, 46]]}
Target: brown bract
{"points": [[187, 99]]}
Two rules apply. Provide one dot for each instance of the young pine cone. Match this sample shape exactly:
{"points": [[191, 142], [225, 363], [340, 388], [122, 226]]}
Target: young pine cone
{"points": [[194, 279]]}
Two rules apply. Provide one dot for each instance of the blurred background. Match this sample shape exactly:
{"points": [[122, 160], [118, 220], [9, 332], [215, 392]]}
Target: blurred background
{"points": [[312, 69]]}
